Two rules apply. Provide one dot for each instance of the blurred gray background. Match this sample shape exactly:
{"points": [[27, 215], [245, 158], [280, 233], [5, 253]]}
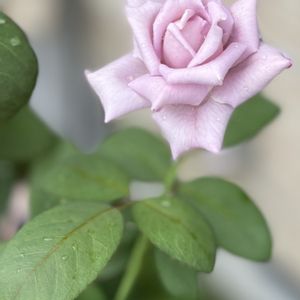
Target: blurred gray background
{"points": [[72, 35]]}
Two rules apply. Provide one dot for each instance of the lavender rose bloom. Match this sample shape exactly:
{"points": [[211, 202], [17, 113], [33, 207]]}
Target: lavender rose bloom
{"points": [[194, 62]]}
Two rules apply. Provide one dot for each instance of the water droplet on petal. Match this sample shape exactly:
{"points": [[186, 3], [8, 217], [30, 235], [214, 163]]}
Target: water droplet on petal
{"points": [[130, 78], [246, 88], [264, 57], [47, 239], [2, 21], [164, 117], [166, 203], [15, 41], [65, 257]]}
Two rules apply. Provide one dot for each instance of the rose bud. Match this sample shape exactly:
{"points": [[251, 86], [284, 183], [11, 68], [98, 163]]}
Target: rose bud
{"points": [[193, 63]]}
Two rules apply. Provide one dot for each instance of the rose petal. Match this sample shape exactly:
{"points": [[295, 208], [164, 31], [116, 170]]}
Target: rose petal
{"points": [[221, 16], [211, 46], [212, 73], [251, 76], [111, 85], [141, 19], [246, 28], [186, 127], [194, 31], [172, 11], [176, 50], [159, 93], [181, 41]]}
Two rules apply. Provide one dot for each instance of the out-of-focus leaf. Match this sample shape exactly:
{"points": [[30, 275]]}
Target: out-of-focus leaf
{"points": [[135, 263], [249, 119], [19, 68], [7, 174], [178, 279], [93, 292], [59, 253], [40, 200], [24, 137], [141, 154], [238, 225], [84, 177], [148, 280], [178, 230], [119, 260]]}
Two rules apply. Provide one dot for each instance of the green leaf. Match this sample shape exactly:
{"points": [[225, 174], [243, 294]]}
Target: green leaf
{"points": [[19, 68], [24, 137], [60, 252], [119, 261], [2, 247], [175, 228], [7, 175], [84, 177], [249, 119], [133, 269], [142, 155], [239, 226], [40, 199], [148, 280], [92, 293], [179, 280]]}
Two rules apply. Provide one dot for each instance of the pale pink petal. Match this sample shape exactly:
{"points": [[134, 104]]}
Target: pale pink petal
{"points": [[141, 19], [182, 39], [245, 26], [187, 15], [159, 93], [211, 46], [187, 127], [172, 11], [194, 31], [176, 50], [251, 76], [111, 85], [212, 73], [221, 16]]}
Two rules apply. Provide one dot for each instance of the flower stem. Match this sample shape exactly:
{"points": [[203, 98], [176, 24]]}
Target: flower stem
{"points": [[133, 268]]}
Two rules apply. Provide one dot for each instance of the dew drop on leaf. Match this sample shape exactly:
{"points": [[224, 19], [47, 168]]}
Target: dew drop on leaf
{"points": [[15, 41], [166, 203], [65, 257], [2, 21], [46, 239]]}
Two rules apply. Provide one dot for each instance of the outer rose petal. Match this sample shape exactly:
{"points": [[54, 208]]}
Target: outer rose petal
{"points": [[251, 76], [160, 93], [245, 26], [111, 85], [141, 19], [186, 127], [212, 73]]}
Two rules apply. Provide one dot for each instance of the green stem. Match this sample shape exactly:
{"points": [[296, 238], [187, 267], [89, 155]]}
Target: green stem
{"points": [[171, 178], [133, 268]]}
